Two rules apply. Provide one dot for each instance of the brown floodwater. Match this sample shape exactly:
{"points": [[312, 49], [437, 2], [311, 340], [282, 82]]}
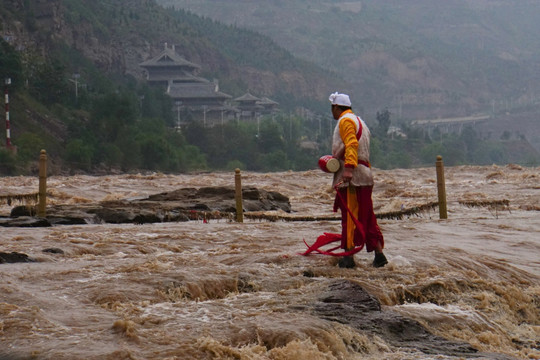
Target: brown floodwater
{"points": [[227, 290]]}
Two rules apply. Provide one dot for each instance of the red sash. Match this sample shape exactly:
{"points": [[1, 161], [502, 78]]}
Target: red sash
{"points": [[328, 238]]}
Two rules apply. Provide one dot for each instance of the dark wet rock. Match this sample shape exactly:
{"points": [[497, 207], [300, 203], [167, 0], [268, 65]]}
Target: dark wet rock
{"points": [[68, 220], [221, 198], [257, 200], [71, 216], [24, 221], [14, 257], [175, 216], [23, 210], [244, 284], [348, 303], [146, 218], [53, 251], [308, 273], [179, 205], [113, 215]]}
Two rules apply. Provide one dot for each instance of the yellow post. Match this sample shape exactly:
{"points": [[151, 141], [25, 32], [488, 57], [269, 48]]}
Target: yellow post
{"points": [[238, 196], [441, 189], [42, 195]]}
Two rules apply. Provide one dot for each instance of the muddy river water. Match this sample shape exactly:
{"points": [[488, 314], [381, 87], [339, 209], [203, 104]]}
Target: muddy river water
{"points": [[227, 290]]}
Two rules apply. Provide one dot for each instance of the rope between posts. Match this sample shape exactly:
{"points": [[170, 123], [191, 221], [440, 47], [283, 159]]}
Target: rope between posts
{"points": [[391, 215], [501, 204], [22, 199], [26, 199]]}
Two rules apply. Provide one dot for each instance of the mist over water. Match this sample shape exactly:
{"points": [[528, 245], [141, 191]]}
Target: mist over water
{"points": [[195, 290]]}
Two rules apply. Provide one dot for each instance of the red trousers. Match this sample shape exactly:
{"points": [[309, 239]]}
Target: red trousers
{"points": [[358, 200]]}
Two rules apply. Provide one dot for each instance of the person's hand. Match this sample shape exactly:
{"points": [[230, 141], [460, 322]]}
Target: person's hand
{"points": [[347, 174]]}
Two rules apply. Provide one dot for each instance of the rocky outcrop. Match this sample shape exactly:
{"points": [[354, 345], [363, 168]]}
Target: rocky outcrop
{"points": [[219, 199], [348, 303], [180, 205], [14, 257], [24, 221]]}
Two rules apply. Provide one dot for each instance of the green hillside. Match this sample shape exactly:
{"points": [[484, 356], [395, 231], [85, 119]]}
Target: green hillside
{"points": [[110, 120]]}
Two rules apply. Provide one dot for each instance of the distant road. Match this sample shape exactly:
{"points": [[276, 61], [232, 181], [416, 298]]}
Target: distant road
{"points": [[456, 120]]}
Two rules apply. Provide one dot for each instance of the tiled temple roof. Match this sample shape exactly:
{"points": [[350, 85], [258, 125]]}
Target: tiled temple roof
{"points": [[247, 97], [167, 58], [196, 90]]}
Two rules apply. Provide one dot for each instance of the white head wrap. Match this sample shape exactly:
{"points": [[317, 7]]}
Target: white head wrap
{"points": [[340, 99]]}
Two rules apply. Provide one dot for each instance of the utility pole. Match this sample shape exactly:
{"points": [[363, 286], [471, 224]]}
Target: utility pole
{"points": [[76, 76], [7, 82], [258, 126], [178, 105], [141, 99]]}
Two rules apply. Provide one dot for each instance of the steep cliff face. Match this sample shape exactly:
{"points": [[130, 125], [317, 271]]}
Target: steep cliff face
{"points": [[31, 25], [118, 36], [59, 24]]}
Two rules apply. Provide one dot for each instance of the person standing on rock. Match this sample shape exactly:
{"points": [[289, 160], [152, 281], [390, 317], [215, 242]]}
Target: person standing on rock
{"points": [[354, 183]]}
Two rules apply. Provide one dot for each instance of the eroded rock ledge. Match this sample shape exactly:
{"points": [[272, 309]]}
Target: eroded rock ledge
{"points": [[180, 205], [348, 303]]}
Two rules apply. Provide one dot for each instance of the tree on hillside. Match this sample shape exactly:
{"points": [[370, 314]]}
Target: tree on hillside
{"points": [[10, 64], [471, 141], [47, 83], [112, 112], [383, 118], [270, 137]]}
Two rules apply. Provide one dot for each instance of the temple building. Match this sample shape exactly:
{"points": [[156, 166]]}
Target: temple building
{"points": [[248, 109], [269, 106], [251, 107], [196, 98]]}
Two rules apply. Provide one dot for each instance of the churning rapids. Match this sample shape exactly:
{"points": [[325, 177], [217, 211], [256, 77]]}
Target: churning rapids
{"points": [[463, 288]]}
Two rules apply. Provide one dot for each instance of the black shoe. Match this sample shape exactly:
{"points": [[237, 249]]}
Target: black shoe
{"points": [[380, 260], [346, 262]]}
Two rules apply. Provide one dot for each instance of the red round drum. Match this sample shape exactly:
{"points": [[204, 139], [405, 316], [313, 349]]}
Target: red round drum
{"points": [[329, 164]]}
